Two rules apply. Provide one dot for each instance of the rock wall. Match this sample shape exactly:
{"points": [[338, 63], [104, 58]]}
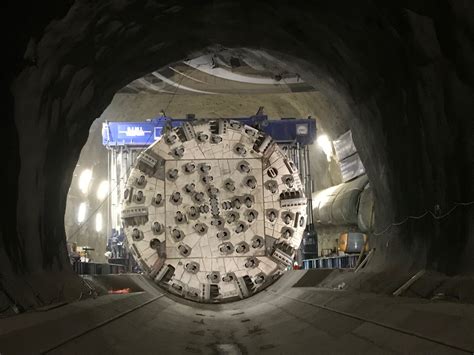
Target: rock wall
{"points": [[398, 73]]}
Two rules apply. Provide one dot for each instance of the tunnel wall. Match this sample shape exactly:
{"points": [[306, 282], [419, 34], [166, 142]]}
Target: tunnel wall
{"points": [[399, 73]]}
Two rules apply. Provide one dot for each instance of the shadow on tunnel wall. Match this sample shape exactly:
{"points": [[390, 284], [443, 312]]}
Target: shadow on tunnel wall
{"points": [[400, 74]]}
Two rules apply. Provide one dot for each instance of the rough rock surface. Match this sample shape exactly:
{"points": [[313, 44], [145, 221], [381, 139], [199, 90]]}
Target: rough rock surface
{"points": [[399, 72]]}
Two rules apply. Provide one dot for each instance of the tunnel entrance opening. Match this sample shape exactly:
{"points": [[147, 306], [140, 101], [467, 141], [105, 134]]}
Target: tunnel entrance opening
{"points": [[274, 85]]}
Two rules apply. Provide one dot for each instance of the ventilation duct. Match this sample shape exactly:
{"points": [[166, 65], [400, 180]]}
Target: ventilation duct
{"points": [[339, 205]]}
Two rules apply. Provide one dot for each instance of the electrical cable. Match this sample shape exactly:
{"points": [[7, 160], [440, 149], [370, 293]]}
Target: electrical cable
{"points": [[456, 205], [177, 87]]}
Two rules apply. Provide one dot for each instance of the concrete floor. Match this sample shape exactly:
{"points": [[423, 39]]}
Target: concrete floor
{"points": [[284, 319]]}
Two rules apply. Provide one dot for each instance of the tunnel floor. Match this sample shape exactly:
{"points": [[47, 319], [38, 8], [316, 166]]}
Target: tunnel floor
{"points": [[283, 319]]}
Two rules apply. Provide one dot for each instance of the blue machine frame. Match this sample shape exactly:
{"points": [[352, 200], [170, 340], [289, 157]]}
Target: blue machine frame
{"points": [[142, 134]]}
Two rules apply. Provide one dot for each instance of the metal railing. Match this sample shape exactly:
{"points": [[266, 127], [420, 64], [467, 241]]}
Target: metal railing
{"points": [[332, 262]]}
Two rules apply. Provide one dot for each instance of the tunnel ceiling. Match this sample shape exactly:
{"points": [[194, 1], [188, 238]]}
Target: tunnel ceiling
{"points": [[221, 71], [399, 74], [214, 211]]}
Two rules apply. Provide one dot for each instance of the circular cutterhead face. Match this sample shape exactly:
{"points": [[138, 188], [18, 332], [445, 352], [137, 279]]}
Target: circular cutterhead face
{"points": [[214, 211]]}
